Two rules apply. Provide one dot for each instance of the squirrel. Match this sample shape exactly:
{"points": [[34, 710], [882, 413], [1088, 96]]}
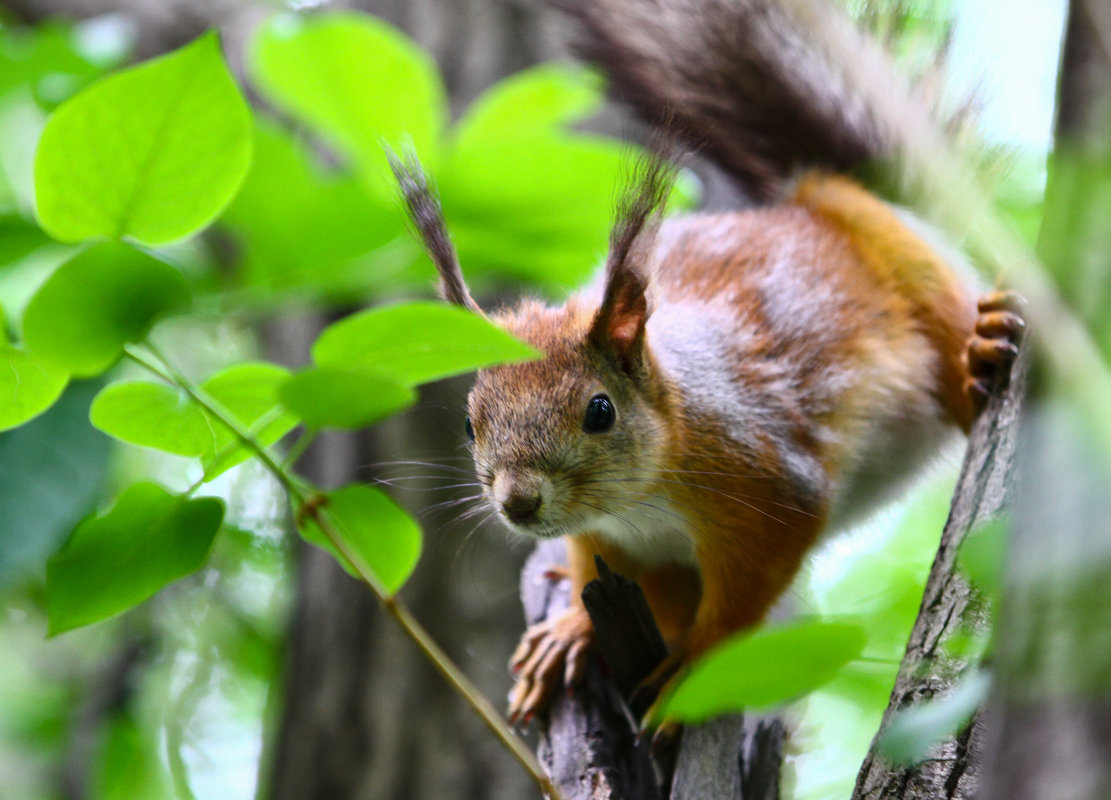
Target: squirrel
{"points": [[733, 385]]}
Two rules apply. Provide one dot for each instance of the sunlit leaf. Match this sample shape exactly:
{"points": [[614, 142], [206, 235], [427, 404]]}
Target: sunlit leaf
{"points": [[761, 669], [335, 397], [303, 227], [356, 80], [377, 532], [115, 560], [915, 730], [248, 392], [417, 342], [102, 298], [165, 418], [538, 204], [153, 152], [534, 100], [27, 386], [153, 415]]}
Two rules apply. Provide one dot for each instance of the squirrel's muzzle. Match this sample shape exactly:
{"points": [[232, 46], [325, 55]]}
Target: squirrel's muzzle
{"points": [[518, 497]]}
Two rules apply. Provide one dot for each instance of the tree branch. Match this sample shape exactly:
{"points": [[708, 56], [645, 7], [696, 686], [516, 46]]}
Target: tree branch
{"points": [[984, 489], [588, 742]]}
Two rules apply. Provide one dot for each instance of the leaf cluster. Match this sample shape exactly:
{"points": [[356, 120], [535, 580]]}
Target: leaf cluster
{"points": [[136, 199]]}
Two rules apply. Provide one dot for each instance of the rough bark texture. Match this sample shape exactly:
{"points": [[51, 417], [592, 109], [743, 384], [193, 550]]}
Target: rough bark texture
{"points": [[588, 741], [985, 488]]}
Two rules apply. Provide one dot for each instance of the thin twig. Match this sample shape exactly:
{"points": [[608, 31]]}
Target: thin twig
{"points": [[308, 505]]}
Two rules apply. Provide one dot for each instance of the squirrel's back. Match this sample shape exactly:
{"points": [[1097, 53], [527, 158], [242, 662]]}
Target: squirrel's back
{"points": [[823, 328]]}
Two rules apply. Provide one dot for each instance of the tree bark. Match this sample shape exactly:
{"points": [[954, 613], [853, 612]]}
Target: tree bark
{"points": [[984, 490], [588, 740]]}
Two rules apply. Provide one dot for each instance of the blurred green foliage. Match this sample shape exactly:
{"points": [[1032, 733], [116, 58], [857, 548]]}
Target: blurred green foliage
{"points": [[142, 179], [114, 261]]}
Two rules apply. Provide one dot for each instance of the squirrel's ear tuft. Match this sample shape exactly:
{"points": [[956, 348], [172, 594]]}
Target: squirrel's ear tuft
{"points": [[618, 327], [426, 215]]}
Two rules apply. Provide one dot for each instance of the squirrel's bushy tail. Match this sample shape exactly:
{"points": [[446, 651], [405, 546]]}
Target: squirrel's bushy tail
{"points": [[749, 83]]}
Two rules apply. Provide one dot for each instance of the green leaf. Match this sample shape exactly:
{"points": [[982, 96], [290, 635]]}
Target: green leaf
{"points": [[535, 100], [336, 397], [56, 58], [355, 79], [417, 342], [62, 466], [115, 560], [127, 763], [165, 418], [27, 387], [915, 730], [19, 237], [982, 555], [248, 392], [761, 669], [376, 530], [153, 415], [154, 152], [303, 227], [99, 300]]}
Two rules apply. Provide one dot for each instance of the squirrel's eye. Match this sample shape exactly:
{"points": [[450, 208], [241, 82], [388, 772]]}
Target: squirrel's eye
{"points": [[469, 428], [600, 414]]}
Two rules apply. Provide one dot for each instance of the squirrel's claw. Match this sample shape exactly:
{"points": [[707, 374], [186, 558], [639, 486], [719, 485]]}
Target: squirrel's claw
{"points": [[547, 650], [652, 687], [993, 346]]}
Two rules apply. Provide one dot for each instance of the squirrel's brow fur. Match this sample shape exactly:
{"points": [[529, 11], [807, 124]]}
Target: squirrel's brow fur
{"points": [[427, 216]]}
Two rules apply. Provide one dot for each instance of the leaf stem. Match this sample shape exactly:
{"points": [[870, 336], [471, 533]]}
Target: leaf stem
{"points": [[312, 507], [440, 660], [299, 447], [166, 371]]}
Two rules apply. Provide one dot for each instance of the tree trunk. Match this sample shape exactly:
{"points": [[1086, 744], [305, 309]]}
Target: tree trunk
{"points": [[363, 716]]}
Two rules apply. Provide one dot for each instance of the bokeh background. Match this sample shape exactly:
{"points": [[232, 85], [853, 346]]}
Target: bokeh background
{"points": [[270, 673]]}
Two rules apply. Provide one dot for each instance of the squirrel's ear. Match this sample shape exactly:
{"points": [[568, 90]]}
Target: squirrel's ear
{"points": [[428, 218], [618, 328], [619, 325]]}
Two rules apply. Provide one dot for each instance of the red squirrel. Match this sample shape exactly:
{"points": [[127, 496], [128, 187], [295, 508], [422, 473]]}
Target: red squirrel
{"points": [[733, 385]]}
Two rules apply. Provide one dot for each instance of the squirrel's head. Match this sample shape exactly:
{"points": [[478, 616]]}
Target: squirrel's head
{"points": [[574, 437], [571, 441]]}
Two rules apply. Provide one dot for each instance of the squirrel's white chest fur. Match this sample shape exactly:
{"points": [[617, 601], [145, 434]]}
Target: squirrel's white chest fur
{"points": [[649, 532]]}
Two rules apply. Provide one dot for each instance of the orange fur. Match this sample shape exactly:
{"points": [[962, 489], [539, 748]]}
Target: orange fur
{"points": [[784, 366]]}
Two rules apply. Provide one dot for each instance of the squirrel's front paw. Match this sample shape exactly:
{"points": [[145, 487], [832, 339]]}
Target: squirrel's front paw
{"points": [[548, 648], [993, 346]]}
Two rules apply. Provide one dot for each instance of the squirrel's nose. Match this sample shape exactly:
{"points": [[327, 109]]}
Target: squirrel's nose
{"points": [[521, 508], [518, 497]]}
